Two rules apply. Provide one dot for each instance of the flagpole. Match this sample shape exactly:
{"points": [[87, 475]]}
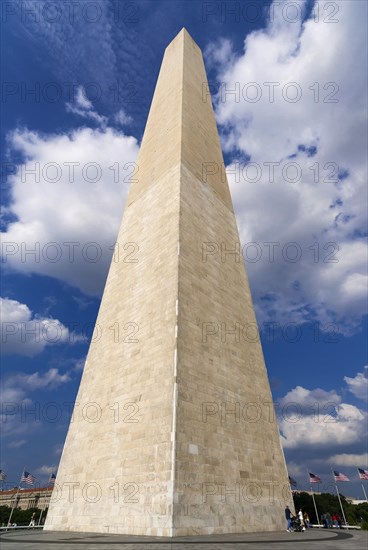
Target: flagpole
{"points": [[365, 494], [338, 496], [42, 511], [314, 502], [39, 519], [361, 482], [315, 507], [16, 498], [43, 507]]}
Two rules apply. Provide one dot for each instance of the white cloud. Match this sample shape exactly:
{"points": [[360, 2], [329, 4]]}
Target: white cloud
{"points": [[15, 387], [314, 132], [309, 402], [295, 469], [11, 394], [316, 419], [122, 118], [67, 45], [65, 38], [317, 427], [23, 333], [57, 449], [82, 100], [83, 107], [82, 302], [352, 460], [46, 470], [50, 379], [221, 52], [311, 214], [79, 364], [72, 223], [14, 393], [17, 444], [318, 430], [358, 385], [346, 426]]}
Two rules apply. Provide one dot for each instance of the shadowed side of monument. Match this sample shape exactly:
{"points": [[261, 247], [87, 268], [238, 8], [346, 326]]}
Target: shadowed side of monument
{"points": [[149, 462]]}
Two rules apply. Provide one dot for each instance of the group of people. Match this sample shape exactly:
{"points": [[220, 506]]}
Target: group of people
{"points": [[329, 521], [300, 522], [32, 523]]}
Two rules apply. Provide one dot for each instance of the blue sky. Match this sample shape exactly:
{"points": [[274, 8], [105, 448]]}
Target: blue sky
{"points": [[94, 73]]}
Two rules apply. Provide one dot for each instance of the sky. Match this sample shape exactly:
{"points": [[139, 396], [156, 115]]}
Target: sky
{"points": [[289, 91]]}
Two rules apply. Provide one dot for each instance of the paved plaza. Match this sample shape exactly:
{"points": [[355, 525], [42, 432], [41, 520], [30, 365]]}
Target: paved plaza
{"points": [[312, 540]]}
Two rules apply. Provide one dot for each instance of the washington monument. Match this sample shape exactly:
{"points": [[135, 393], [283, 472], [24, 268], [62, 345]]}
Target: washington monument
{"points": [[173, 431]]}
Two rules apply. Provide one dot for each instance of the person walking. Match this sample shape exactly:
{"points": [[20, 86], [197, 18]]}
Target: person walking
{"points": [[301, 519], [328, 520], [288, 519], [306, 520], [32, 523]]}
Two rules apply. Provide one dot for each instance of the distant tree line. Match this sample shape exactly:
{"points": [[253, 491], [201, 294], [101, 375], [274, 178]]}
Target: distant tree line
{"points": [[20, 517]]}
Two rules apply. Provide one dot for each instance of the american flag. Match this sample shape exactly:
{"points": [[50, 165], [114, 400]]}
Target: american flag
{"points": [[340, 477], [28, 478], [363, 474], [314, 479], [292, 482], [52, 478], [3, 475]]}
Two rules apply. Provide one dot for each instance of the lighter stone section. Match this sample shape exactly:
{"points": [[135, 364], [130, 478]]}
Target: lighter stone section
{"points": [[163, 439]]}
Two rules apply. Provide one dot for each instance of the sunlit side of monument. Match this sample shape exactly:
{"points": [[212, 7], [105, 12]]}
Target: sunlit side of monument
{"points": [[186, 442]]}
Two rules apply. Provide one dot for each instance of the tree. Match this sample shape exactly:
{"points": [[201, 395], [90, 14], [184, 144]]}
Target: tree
{"points": [[20, 517], [327, 502]]}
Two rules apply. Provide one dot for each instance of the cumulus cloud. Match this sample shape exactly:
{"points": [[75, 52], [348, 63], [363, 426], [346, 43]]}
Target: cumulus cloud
{"points": [[352, 460], [23, 333], [68, 213], [312, 420], [306, 218], [309, 402], [319, 431], [15, 387], [14, 394], [346, 425], [358, 385], [315, 193]]}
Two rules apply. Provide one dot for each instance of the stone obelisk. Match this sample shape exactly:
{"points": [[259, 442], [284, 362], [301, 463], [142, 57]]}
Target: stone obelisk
{"points": [[174, 432]]}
